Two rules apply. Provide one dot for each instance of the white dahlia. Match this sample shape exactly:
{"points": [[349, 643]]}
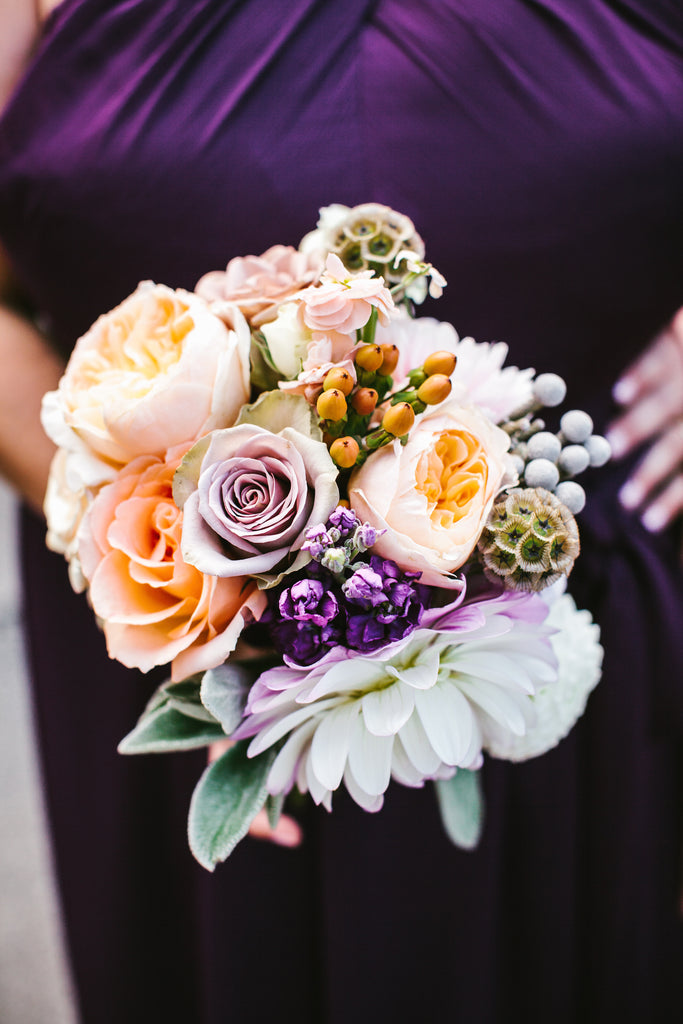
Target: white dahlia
{"points": [[416, 710], [557, 708]]}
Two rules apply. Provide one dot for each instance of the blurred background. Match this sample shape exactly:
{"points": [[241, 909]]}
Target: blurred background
{"points": [[34, 981]]}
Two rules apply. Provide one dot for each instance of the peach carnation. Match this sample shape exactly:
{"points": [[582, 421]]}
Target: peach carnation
{"points": [[153, 606]]}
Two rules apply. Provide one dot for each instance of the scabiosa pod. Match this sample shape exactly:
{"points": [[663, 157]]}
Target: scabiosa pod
{"points": [[530, 540]]}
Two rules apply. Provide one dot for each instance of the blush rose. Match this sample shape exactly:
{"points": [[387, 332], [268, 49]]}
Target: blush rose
{"points": [[157, 371], [432, 497], [154, 607]]}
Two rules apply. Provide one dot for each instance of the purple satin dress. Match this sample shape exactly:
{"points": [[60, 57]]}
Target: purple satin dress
{"points": [[538, 146]]}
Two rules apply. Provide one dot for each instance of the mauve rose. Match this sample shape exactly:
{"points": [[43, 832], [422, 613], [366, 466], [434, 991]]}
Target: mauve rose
{"points": [[248, 495], [158, 371], [259, 284]]}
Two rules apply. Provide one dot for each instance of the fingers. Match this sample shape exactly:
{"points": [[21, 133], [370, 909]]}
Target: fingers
{"points": [[659, 465], [666, 507], [651, 391], [218, 748], [286, 833]]}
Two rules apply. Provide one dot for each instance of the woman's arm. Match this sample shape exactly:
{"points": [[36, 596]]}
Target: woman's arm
{"points": [[28, 367]]}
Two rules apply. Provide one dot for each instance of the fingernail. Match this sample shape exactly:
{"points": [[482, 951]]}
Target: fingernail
{"points": [[617, 443], [654, 519], [623, 391], [630, 495]]}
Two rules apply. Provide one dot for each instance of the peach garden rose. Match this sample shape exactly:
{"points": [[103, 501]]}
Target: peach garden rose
{"points": [[154, 607], [157, 371], [432, 497]]}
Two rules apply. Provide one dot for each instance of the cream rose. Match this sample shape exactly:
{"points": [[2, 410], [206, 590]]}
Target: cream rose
{"points": [[432, 497], [157, 371], [154, 607]]}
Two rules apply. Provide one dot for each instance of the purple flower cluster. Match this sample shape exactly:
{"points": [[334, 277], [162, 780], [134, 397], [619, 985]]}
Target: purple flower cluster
{"points": [[341, 600]]}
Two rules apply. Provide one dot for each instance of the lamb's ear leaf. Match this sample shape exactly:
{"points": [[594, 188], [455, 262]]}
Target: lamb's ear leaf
{"points": [[461, 804], [226, 800], [164, 729]]}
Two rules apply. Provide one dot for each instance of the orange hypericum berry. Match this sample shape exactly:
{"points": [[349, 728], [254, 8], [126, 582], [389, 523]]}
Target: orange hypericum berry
{"points": [[369, 357], [364, 401], [440, 362], [331, 405], [399, 419], [344, 452], [390, 360], [340, 379], [435, 389]]}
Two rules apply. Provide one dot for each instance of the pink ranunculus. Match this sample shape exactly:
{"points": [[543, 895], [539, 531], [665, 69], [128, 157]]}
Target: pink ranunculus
{"points": [[157, 371], [342, 303], [248, 495], [154, 607], [432, 497], [260, 284]]}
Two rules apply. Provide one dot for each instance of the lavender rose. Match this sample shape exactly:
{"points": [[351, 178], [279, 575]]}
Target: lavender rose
{"points": [[248, 495]]}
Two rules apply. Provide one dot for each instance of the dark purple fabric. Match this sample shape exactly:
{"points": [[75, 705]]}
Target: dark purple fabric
{"points": [[538, 145]]}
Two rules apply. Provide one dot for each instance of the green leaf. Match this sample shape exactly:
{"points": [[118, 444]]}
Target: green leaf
{"points": [[224, 693], [274, 806], [185, 697], [277, 410], [165, 729], [461, 804], [226, 800], [264, 374]]}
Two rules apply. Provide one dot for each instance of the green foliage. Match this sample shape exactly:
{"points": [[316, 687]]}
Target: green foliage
{"points": [[461, 804], [174, 719], [226, 800]]}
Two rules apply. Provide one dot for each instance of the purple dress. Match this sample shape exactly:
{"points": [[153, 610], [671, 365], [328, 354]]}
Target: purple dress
{"points": [[538, 145]]}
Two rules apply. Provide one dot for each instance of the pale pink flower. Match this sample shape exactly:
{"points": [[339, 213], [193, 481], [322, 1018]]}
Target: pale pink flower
{"points": [[260, 284], [342, 303]]}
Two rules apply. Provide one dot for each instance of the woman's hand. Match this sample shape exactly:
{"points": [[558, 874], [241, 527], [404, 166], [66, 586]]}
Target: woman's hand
{"points": [[286, 833], [651, 393]]}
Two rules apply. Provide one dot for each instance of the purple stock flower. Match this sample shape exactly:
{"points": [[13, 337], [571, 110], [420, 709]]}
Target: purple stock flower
{"points": [[365, 587], [308, 601], [343, 519]]}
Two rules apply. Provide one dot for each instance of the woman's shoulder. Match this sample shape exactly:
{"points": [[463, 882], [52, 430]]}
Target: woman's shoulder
{"points": [[20, 24]]}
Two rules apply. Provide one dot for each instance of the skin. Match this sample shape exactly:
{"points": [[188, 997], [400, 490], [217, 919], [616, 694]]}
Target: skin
{"points": [[651, 395]]}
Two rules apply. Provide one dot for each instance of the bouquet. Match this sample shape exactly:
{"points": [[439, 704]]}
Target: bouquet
{"points": [[345, 529]]}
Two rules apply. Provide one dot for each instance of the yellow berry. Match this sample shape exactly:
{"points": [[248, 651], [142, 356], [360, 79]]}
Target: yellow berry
{"points": [[364, 401], [331, 405], [340, 379], [435, 389], [344, 452], [399, 419], [369, 357], [390, 360], [440, 362]]}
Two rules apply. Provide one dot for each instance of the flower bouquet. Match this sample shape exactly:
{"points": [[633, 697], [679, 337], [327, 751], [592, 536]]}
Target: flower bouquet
{"points": [[344, 528]]}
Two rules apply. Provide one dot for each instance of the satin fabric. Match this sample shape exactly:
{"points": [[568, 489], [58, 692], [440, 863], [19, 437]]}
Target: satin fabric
{"points": [[538, 145]]}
